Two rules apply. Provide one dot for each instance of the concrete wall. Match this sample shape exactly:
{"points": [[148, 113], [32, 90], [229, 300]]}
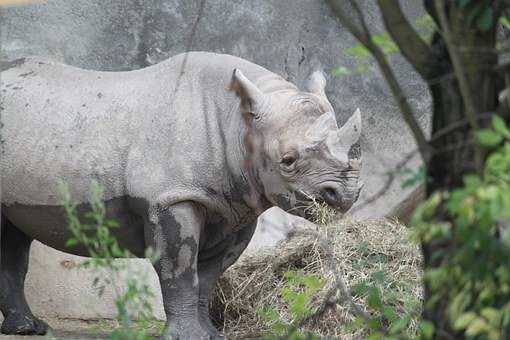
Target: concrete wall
{"points": [[289, 37]]}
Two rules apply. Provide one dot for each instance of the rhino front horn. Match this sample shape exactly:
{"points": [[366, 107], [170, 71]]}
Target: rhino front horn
{"points": [[253, 100], [350, 132]]}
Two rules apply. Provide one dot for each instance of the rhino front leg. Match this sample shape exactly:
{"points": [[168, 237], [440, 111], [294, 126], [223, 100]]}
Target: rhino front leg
{"points": [[18, 318], [210, 270], [174, 231]]}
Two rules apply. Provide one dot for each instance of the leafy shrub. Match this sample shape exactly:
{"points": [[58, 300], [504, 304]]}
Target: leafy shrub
{"points": [[473, 272], [103, 248]]}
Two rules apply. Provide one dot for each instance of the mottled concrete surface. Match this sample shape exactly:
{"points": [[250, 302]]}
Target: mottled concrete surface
{"points": [[290, 37], [58, 288]]}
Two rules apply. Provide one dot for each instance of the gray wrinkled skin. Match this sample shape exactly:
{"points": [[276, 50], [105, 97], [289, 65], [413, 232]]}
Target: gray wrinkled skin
{"points": [[185, 171]]}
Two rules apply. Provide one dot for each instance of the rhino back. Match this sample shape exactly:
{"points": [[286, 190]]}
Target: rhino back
{"points": [[135, 132], [63, 123]]}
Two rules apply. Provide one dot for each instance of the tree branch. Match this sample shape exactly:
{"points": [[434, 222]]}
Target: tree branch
{"points": [[344, 18], [412, 46], [364, 36], [392, 176], [339, 285]]}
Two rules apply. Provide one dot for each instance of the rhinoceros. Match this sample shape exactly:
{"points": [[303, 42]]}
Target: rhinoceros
{"points": [[189, 152]]}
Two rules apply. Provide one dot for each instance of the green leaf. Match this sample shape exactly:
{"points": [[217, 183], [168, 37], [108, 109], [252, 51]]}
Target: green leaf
{"points": [[269, 314], [374, 298], [499, 124], [504, 22], [463, 3], [477, 326], [376, 336], [492, 315], [379, 276], [389, 313], [298, 306], [361, 288], [374, 324], [71, 242], [313, 282], [358, 51], [292, 276], [485, 20], [464, 320], [386, 43], [488, 138], [340, 71], [427, 329], [399, 325]]}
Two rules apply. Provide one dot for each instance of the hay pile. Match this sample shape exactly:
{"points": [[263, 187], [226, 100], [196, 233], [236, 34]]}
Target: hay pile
{"points": [[360, 249]]}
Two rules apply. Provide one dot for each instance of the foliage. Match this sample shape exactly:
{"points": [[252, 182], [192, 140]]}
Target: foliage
{"points": [[385, 321], [479, 12], [297, 294], [96, 236], [473, 224], [362, 56], [385, 291], [410, 177]]}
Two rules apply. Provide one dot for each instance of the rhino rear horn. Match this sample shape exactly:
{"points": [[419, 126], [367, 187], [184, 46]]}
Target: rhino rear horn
{"points": [[253, 100], [316, 83], [322, 126]]}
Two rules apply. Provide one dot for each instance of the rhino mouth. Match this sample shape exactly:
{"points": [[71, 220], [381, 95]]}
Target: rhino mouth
{"points": [[304, 204], [310, 206]]}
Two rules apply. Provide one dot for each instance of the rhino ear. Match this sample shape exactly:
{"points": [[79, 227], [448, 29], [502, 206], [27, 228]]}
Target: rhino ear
{"points": [[316, 83], [350, 133], [253, 100]]}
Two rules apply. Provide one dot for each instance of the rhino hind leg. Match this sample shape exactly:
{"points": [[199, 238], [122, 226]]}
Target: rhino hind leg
{"points": [[18, 318]]}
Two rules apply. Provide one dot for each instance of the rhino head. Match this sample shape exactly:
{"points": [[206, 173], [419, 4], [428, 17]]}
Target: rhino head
{"points": [[298, 152]]}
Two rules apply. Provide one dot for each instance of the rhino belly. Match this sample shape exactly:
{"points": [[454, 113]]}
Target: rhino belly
{"points": [[49, 225]]}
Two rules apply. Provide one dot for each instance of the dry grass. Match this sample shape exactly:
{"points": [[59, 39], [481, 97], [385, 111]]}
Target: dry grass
{"points": [[361, 249]]}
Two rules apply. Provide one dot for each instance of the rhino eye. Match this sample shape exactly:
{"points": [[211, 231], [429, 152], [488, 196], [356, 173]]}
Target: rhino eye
{"points": [[288, 160]]}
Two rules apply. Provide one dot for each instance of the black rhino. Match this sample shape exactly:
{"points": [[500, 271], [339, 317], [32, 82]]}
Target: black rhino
{"points": [[186, 169]]}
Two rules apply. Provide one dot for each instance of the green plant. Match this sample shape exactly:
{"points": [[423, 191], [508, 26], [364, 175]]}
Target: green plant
{"points": [[473, 271], [410, 177], [298, 293], [97, 238], [362, 56], [480, 12]]}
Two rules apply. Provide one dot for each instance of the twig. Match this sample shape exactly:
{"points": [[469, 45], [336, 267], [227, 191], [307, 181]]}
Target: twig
{"points": [[339, 285], [389, 181], [189, 44], [457, 125]]}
